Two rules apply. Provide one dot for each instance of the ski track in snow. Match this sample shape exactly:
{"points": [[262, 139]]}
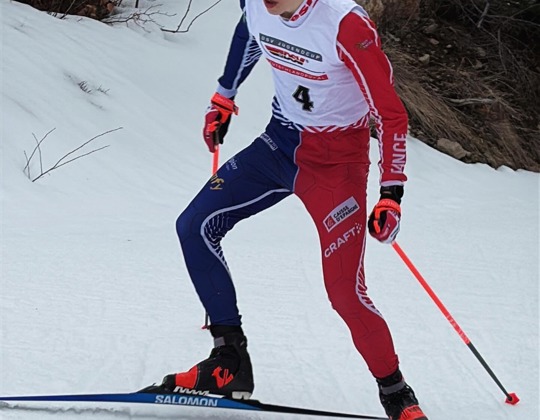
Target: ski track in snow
{"points": [[19, 411], [94, 293]]}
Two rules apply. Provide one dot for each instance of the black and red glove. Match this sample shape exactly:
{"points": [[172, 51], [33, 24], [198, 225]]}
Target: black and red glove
{"points": [[217, 119], [383, 222]]}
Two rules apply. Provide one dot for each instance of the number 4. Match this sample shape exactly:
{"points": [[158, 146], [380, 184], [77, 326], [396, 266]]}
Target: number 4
{"points": [[302, 95]]}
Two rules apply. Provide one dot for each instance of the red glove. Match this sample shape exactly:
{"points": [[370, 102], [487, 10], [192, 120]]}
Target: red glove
{"points": [[383, 223], [217, 119]]}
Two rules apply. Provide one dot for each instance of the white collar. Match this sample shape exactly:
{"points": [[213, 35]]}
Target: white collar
{"points": [[301, 13]]}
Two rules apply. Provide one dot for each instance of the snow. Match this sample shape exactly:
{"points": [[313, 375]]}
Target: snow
{"points": [[95, 296]]}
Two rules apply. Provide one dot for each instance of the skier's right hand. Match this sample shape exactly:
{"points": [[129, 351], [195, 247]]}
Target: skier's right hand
{"points": [[217, 119]]}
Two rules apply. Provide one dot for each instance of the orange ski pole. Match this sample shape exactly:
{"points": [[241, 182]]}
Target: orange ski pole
{"points": [[215, 160], [511, 398]]}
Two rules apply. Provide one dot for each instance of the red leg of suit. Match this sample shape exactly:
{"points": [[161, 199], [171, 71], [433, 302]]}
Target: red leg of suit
{"points": [[331, 182]]}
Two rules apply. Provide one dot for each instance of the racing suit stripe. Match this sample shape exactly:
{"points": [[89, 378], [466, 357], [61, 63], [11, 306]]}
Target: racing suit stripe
{"points": [[214, 227]]}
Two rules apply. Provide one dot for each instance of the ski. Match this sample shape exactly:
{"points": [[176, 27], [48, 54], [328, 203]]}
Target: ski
{"points": [[186, 399]]}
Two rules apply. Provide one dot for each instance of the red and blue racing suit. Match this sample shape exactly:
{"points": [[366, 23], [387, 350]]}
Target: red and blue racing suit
{"points": [[325, 166]]}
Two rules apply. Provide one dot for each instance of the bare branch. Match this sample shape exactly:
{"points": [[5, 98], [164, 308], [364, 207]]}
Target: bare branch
{"points": [[483, 15], [39, 151], [67, 10], [35, 149], [27, 164], [140, 18], [470, 101], [57, 164], [68, 161], [62, 161], [177, 30], [185, 15]]}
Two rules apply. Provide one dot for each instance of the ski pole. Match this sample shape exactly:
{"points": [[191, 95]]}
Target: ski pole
{"points": [[215, 164], [511, 398], [215, 160]]}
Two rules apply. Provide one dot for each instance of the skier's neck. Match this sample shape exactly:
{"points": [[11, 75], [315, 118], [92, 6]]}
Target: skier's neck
{"points": [[294, 7]]}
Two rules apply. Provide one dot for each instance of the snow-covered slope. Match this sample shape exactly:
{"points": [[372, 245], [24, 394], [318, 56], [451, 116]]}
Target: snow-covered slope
{"points": [[94, 293]]}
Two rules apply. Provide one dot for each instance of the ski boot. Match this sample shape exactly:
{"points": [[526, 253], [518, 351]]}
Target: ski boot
{"points": [[226, 372], [398, 399]]}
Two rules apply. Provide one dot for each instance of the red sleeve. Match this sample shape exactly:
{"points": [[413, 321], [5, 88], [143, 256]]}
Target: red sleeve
{"points": [[359, 46]]}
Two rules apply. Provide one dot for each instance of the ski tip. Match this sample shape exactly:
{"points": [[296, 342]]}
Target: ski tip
{"points": [[512, 399]]}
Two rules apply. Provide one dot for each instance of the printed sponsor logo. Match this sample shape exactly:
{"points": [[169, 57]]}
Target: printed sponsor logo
{"points": [[232, 164], [329, 223], [297, 72], [303, 10], [286, 55], [269, 40], [398, 155], [266, 138], [216, 183], [182, 390], [340, 213], [186, 400], [364, 45], [222, 376], [343, 239]]}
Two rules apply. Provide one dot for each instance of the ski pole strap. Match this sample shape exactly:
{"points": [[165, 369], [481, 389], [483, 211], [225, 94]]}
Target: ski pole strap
{"points": [[225, 106], [386, 204]]}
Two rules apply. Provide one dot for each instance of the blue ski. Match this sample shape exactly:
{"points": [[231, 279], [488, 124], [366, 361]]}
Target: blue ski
{"points": [[186, 400]]}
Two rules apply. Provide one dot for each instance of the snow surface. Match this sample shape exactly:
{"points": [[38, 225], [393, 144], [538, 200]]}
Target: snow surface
{"points": [[95, 296]]}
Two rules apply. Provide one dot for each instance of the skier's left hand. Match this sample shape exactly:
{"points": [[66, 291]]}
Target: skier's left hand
{"points": [[383, 222]]}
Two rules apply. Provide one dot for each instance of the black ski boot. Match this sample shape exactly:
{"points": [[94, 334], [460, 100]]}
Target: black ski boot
{"points": [[398, 398], [226, 372]]}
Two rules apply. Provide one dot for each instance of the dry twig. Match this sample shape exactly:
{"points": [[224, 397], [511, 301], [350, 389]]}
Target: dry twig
{"points": [[36, 149], [140, 18], [61, 162], [177, 30]]}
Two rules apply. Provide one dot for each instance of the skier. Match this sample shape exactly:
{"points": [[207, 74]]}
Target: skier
{"points": [[330, 78]]}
